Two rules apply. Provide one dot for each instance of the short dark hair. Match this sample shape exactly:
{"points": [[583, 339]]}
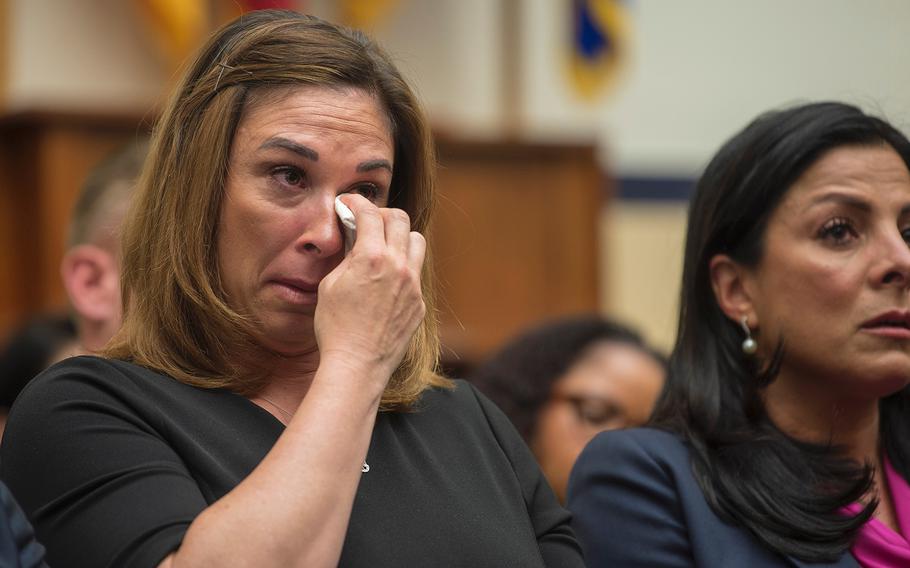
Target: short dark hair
{"points": [[520, 377], [109, 185], [788, 493]]}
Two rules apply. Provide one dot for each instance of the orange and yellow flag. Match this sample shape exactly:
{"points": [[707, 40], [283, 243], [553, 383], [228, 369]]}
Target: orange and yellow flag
{"points": [[365, 14], [178, 25]]}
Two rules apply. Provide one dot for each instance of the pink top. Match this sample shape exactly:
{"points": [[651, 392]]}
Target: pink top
{"points": [[876, 545]]}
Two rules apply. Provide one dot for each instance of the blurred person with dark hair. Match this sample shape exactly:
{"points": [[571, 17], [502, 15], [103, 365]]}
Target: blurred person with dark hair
{"points": [[781, 436], [91, 264], [564, 381], [39, 343]]}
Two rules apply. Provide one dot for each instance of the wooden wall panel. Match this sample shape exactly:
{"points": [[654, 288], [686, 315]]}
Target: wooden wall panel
{"points": [[18, 220], [44, 159], [515, 241]]}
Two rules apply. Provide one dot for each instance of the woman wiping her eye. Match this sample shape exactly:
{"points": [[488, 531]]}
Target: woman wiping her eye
{"points": [[781, 437], [271, 401]]}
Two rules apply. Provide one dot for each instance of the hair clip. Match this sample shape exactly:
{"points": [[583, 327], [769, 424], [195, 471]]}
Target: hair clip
{"points": [[229, 67]]}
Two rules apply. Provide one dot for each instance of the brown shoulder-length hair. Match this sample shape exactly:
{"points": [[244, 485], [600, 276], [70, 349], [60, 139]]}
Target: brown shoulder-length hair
{"points": [[176, 316]]}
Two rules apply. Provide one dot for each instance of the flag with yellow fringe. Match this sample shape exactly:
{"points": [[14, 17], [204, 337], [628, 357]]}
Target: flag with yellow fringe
{"points": [[600, 40]]}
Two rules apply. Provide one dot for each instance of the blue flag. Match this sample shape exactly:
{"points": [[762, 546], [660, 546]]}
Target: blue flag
{"points": [[600, 31]]}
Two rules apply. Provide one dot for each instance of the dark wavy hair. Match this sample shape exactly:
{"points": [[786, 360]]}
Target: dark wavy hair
{"points": [[788, 493], [520, 377], [30, 350]]}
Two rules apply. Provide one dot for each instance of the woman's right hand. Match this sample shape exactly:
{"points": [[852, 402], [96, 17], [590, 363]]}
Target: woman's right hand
{"points": [[371, 304]]}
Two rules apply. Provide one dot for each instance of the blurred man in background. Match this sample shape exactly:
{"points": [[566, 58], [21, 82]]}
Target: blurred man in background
{"points": [[91, 276], [91, 265]]}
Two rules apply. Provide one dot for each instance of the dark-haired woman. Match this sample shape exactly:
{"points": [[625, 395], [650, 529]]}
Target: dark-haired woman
{"points": [[566, 380], [781, 438]]}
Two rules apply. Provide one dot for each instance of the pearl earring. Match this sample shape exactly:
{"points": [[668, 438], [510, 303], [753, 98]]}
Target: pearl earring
{"points": [[749, 344]]}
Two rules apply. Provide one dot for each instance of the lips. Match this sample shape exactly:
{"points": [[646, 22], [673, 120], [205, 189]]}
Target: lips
{"points": [[295, 291], [894, 324], [301, 285], [894, 318]]}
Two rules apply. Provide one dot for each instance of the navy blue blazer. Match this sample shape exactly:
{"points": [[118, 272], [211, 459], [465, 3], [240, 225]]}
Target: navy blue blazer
{"points": [[18, 547], [635, 502]]}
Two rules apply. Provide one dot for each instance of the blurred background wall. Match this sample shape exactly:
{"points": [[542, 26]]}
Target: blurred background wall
{"points": [[497, 75]]}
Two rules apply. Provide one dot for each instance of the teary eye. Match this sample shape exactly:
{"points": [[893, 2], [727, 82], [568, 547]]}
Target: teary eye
{"points": [[369, 190], [289, 175]]}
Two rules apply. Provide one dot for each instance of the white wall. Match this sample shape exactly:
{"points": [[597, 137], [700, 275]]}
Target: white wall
{"points": [[451, 51], [89, 55], [642, 267], [700, 69]]}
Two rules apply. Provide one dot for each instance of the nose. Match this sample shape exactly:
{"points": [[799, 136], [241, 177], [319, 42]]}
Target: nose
{"points": [[895, 262], [321, 235]]}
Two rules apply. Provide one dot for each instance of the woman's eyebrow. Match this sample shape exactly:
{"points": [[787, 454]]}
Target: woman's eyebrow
{"points": [[373, 165], [285, 144], [843, 199]]}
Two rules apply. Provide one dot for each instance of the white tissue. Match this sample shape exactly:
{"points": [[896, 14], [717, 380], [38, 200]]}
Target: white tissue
{"points": [[347, 223]]}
